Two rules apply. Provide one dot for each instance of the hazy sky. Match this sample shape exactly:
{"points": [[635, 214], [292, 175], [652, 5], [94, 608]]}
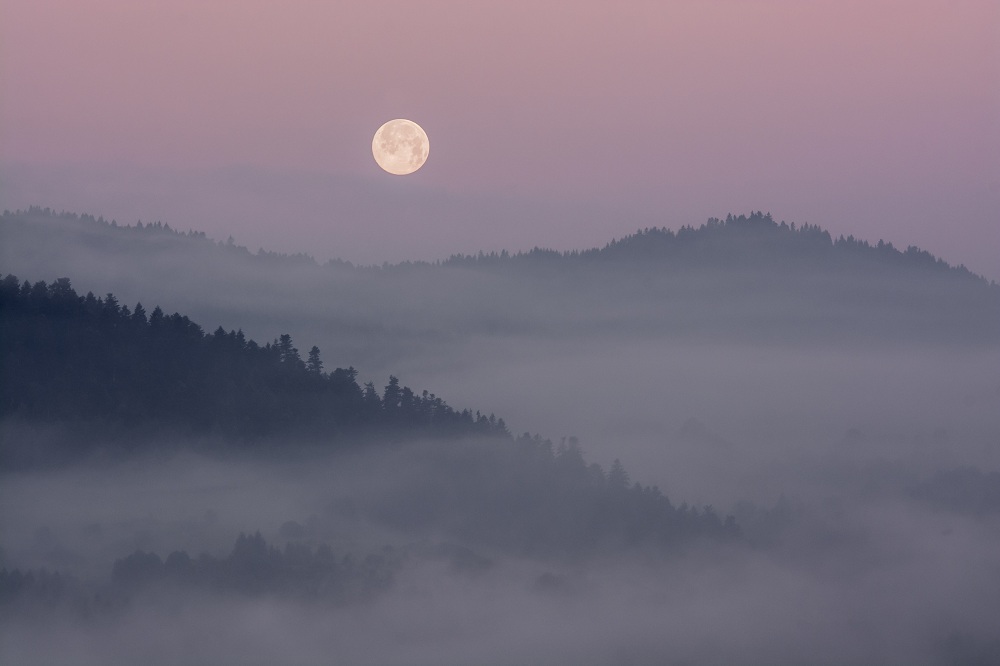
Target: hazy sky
{"points": [[560, 123]]}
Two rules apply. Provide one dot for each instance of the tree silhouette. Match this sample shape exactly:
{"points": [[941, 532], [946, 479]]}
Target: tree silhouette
{"points": [[618, 478], [87, 360], [314, 364]]}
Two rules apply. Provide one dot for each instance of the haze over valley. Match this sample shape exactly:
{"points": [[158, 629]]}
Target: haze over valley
{"points": [[739, 424]]}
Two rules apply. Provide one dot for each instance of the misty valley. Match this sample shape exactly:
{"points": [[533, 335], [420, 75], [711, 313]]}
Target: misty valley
{"points": [[743, 442]]}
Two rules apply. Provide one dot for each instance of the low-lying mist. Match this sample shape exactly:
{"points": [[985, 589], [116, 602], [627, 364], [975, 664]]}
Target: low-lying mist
{"points": [[792, 464], [719, 422], [831, 573]]}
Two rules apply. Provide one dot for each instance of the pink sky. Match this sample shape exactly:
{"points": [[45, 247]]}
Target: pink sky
{"points": [[551, 123]]}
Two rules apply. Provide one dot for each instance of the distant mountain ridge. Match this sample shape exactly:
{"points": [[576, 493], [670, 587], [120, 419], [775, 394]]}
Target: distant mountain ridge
{"points": [[745, 278], [737, 240]]}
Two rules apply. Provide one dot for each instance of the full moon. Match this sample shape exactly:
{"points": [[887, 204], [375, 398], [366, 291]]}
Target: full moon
{"points": [[400, 146]]}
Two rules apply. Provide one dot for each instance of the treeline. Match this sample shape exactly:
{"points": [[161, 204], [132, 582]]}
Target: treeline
{"points": [[66, 358], [524, 499], [123, 375], [754, 240], [533, 499], [118, 236], [253, 568]]}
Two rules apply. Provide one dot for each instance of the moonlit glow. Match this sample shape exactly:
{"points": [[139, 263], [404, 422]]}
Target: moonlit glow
{"points": [[400, 146]]}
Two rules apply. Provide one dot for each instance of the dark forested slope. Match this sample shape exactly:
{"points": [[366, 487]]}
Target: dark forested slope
{"points": [[88, 360], [105, 372]]}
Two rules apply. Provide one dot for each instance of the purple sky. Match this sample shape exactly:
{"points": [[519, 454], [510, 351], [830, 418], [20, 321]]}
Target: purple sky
{"points": [[561, 124]]}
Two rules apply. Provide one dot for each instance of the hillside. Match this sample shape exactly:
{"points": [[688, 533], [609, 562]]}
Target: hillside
{"points": [[83, 360], [754, 242], [87, 379], [839, 400], [746, 278]]}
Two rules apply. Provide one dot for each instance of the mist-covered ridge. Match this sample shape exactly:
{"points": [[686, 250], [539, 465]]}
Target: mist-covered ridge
{"points": [[821, 415], [754, 239], [738, 241], [743, 279]]}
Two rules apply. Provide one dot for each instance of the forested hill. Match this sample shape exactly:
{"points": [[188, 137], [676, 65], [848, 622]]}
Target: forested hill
{"points": [[743, 241], [110, 378], [754, 240], [743, 279], [84, 360]]}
